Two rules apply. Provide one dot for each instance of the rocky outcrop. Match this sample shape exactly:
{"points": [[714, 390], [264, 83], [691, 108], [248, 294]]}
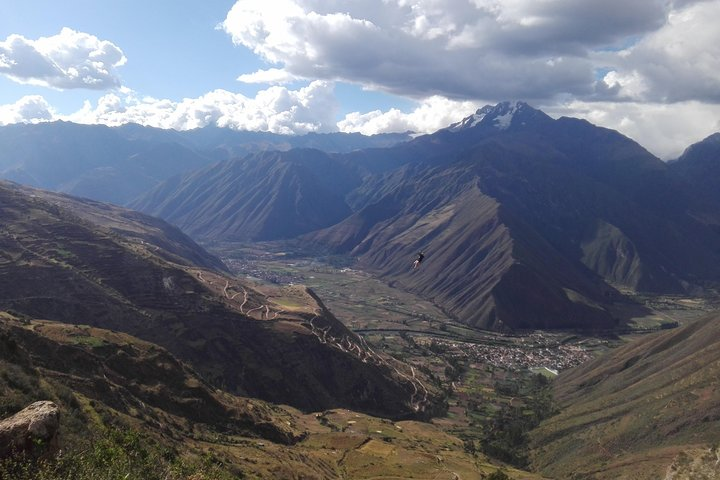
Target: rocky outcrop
{"points": [[36, 425]]}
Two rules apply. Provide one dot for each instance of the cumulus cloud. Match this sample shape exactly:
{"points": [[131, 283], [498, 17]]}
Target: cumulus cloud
{"points": [[277, 109], [68, 60], [470, 49], [29, 109], [431, 115], [678, 62], [271, 75]]}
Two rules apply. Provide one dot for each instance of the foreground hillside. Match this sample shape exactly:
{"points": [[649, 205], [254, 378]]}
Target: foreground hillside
{"points": [[130, 409], [281, 345], [647, 409]]}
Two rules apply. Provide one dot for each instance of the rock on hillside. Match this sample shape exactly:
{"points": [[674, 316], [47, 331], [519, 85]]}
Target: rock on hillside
{"points": [[35, 425]]}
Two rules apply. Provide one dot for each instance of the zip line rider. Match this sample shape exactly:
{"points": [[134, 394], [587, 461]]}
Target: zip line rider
{"points": [[418, 260]]}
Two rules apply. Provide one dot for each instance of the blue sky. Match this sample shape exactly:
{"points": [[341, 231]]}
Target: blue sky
{"points": [[649, 69], [174, 49], [138, 28]]}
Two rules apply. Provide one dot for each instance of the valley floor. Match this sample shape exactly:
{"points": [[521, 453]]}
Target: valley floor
{"points": [[493, 382]]}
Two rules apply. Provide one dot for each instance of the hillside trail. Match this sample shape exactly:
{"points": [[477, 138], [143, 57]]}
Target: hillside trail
{"points": [[259, 306]]}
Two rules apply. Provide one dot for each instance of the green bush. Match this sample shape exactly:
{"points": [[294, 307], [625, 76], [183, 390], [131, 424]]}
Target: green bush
{"points": [[498, 475], [114, 455]]}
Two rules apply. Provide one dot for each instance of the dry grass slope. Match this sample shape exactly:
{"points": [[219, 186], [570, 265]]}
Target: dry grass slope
{"points": [[630, 413]]}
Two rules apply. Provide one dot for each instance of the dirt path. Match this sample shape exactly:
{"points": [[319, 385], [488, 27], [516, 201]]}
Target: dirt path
{"points": [[354, 345]]}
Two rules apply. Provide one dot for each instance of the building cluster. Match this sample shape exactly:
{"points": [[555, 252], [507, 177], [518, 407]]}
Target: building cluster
{"points": [[521, 353], [252, 269]]}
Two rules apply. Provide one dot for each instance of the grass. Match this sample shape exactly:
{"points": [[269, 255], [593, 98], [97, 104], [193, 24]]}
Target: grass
{"points": [[88, 341]]}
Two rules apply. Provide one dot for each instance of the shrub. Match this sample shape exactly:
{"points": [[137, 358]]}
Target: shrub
{"points": [[498, 475], [115, 454]]}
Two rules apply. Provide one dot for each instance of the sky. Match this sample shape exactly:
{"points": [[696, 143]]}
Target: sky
{"points": [[649, 69]]}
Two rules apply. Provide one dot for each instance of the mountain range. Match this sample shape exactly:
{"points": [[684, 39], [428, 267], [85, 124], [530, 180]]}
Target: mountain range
{"points": [[118, 164], [263, 196], [526, 221]]}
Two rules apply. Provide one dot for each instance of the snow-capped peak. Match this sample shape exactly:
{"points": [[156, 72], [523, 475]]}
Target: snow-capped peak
{"points": [[501, 116], [468, 122]]}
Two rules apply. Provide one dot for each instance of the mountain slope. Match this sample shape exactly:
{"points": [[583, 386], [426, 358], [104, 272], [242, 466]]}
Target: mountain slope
{"points": [[129, 407], [484, 263], [582, 210], [527, 221], [56, 266], [118, 164], [265, 196], [699, 166], [627, 415], [575, 184], [127, 374], [90, 160]]}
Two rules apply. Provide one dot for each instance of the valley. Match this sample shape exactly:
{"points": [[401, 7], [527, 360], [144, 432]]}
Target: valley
{"points": [[493, 382], [260, 319]]}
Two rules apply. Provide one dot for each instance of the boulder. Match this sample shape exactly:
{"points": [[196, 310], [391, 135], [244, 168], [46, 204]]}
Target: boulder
{"points": [[35, 426]]}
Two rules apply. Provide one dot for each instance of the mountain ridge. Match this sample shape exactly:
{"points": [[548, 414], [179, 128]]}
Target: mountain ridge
{"points": [[118, 164]]}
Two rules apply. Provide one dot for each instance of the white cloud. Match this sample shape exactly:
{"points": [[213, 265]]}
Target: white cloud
{"points": [[660, 59], [271, 75], [649, 69], [68, 60], [277, 109], [665, 130], [466, 49], [29, 109], [678, 62], [431, 115]]}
